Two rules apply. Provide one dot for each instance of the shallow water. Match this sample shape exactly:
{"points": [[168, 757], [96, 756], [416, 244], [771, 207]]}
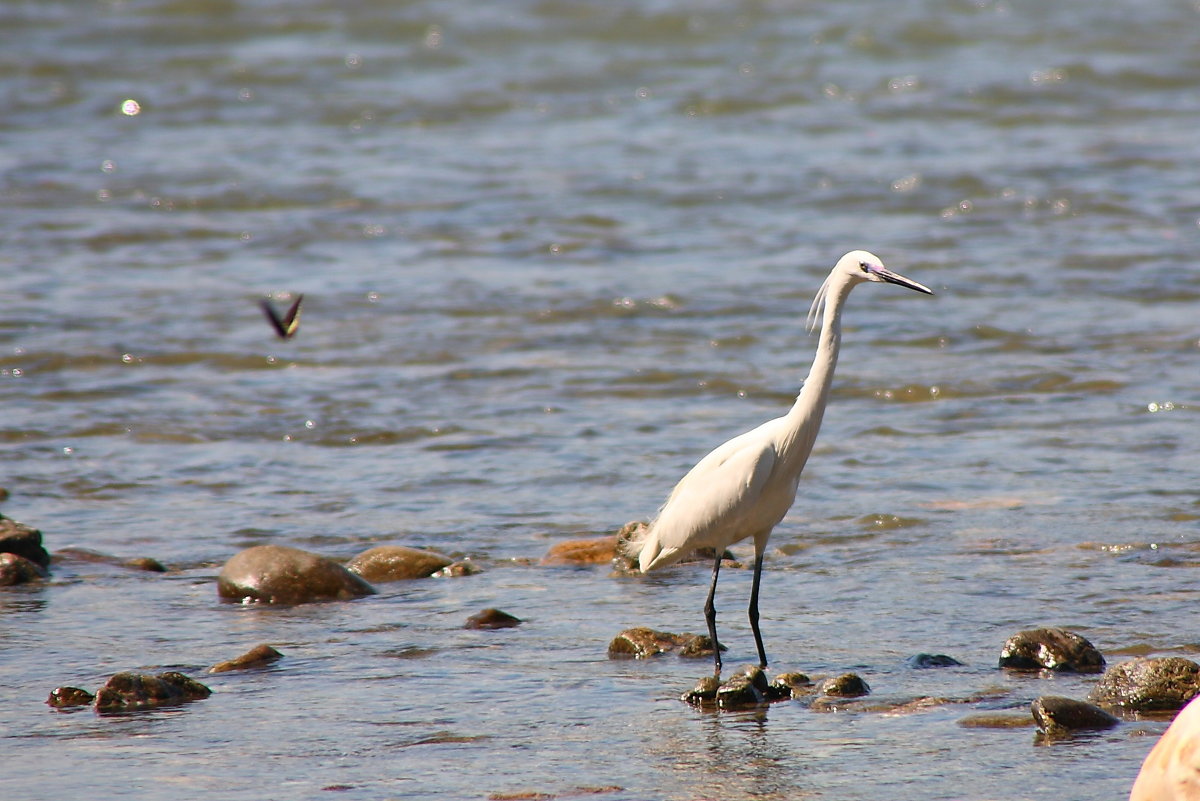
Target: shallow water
{"points": [[551, 254]]}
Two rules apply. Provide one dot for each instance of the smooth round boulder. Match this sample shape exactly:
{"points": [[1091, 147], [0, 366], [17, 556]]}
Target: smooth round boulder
{"points": [[397, 563], [278, 574], [1057, 715], [1051, 649], [847, 685], [1148, 683], [492, 619]]}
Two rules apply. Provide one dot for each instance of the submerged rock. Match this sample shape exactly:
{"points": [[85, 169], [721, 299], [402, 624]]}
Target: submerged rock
{"points": [[63, 697], [492, 619], [932, 661], [847, 685], [744, 689], [1148, 683], [127, 692], [594, 551], [16, 569], [256, 657], [22, 540], [1051, 649], [458, 569], [282, 575], [397, 563], [642, 642], [1057, 715], [95, 557]]}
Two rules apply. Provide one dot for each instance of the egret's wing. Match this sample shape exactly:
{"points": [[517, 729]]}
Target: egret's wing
{"points": [[708, 506]]}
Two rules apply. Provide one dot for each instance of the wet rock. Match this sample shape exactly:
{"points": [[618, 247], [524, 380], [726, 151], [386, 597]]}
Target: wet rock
{"points": [[921, 661], [397, 563], [64, 697], [748, 687], [257, 657], [22, 540], [642, 642], [594, 551], [492, 619], [74, 554], [1057, 715], [458, 570], [1051, 649], [790, 685], [1148, 683], [127, 692], [996, 720], [282, 575], [848, 685], [705, 691], [16, 569]]}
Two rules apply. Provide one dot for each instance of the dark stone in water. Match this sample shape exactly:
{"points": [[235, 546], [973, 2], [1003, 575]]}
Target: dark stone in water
{"points": [[16, 569], [746, 688], [847, 685], [397, 563], [458, 570], [1148, 684], [22, 540], [95, 557], [282, 575], [63, 697], [1057, 715], [256, 657], [642, 642], [127, 692], [932, 661], [1051, 649], [492, 619]]}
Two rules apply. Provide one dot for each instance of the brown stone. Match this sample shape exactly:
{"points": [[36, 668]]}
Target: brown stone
{"points": [[397, 563], [594, 551], [642, 642], [22, 540], [282, 575], [847, 685], [1051, 649], [256, 657], [1055, 714], [16, 569], [76, 554], [1147, 684], [127, 692], [63, 697], [492, 619]]}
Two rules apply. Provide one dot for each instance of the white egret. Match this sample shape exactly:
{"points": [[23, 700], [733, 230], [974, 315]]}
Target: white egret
{"points": [[744, 487], [1171, 771]]}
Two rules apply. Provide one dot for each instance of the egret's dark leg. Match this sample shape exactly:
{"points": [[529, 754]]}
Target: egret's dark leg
{"points": [[753, 611], [710, 614]]}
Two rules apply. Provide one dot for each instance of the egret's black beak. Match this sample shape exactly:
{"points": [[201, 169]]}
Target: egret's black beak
{"points": [[900, 280]]}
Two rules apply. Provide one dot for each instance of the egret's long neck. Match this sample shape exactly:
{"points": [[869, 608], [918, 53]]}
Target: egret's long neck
{"points": [[804, 418]]}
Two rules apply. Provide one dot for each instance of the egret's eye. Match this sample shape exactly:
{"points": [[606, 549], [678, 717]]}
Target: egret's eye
{"points": [[866, 268]]}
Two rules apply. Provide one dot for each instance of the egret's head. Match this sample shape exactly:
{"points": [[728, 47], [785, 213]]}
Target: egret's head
{"points": [[859, 265], [854, 268]]}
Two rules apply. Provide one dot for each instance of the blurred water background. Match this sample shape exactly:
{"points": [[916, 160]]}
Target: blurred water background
{"points": [[552, 252]]}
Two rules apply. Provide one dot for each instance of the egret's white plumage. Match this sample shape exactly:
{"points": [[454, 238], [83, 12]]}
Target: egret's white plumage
{"points": [[745, 486], [1171, 771]]}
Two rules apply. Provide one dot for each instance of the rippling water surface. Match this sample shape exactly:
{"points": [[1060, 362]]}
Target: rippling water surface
{"points": [[553, 252]]}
